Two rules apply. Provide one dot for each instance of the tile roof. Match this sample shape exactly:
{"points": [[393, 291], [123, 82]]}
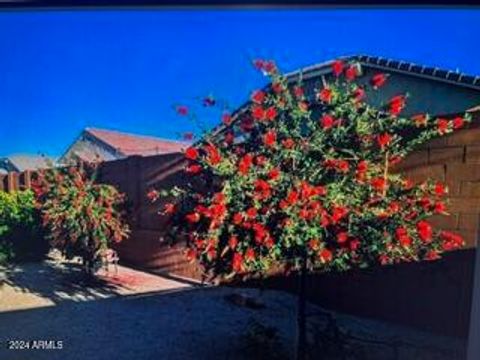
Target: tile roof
{"points": [[443, 75], [132, 144]]}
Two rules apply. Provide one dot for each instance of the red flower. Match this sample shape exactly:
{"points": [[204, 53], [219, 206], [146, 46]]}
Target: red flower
{"points": [[324, 220], [384, 140], [191, 153], [211, 254], [229, 137], [342, 237], [153, 195], [325, 95], [337, 67], [451, 241], [408, 184], [402, 237], [227, 119], [327, 121], [440, 189], [362, 168], [182, 110], [259, 64], [378, 80], [218, 198], [342, 166], [193, 169], [320, 190], [396, 104], [298, 91], [258, 112], [258, 97], [440, 207], [213, 156], [193, 217], [351, 73], [277, 88], [394, 207], [250, 254], [288, 143], [292, 197], [169, 208], [233, 242], [326, 255], [245, 164], [425, 231], [270, 138], [432, 255], [304, 214], [442, 126], [252, 213], [384, 259], [191, 254], [458, 122], [247, 124], [237, 262], [354, 244], [270, 113], [274, 174], [237, 218], [379, 184], [338, 213], [269, 67], [359, 94], [261, 160], [262, 189]]}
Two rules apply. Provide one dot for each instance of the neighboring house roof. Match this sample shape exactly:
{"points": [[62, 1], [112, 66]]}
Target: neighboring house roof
{"points": [[132, 144], [22, 162], [317, 71], [104, 145]]}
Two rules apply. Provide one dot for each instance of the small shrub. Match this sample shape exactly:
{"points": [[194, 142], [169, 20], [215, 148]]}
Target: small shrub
{"points": [[21, 234], [81, 216]]}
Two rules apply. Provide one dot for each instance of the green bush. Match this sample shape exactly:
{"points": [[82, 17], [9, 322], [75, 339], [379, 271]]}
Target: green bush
{"points": [[21, 234]]}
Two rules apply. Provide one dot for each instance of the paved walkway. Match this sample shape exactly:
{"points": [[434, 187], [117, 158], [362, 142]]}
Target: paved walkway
{"points": [[35, 285]]}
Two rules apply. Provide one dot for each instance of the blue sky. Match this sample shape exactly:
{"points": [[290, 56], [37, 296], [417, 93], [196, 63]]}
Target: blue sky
{"points": [[63, 71]]}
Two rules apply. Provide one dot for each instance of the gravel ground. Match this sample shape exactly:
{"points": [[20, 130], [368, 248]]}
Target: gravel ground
{"points": [[177, 321]]}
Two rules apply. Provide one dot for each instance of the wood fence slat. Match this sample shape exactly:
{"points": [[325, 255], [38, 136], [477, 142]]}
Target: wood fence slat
{"points": [[12, 181]]}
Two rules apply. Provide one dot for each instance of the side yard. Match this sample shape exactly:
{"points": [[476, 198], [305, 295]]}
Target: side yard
{"points": [[144, 316]]}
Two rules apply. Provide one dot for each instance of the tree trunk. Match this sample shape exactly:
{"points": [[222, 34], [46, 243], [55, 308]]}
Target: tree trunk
{"points": [[301, 350]]}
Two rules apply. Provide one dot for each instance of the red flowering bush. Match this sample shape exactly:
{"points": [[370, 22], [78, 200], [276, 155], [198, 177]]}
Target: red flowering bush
{"points": [[81, 216], [300, 173]]}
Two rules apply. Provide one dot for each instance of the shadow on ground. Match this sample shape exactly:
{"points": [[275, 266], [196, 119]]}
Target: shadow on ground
{"points": [[57, 282]]}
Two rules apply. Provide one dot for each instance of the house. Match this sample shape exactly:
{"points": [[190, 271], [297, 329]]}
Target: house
{"points": [[435, 91], [23, 162], [105, 145]]}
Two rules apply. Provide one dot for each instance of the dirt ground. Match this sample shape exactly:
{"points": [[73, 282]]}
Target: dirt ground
{"points": [[134, 315]]}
